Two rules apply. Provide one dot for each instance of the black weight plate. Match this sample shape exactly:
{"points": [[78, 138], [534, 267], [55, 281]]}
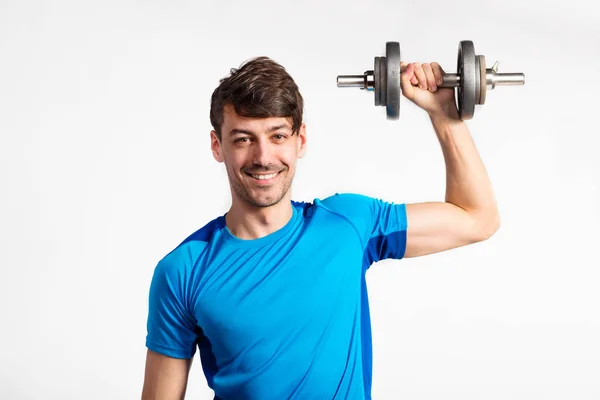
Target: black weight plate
{"points": [[382, 81], [468, 92], [482, 79], [392, 51], [377, 81]]}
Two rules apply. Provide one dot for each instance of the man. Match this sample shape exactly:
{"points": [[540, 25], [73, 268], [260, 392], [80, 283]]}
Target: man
{"points": [[273, 292]]}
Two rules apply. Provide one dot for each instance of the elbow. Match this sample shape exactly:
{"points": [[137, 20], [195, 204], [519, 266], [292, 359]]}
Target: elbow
{"points": [[487, 227]]}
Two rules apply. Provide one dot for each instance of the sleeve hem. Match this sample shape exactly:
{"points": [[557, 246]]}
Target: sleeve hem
{"points": [[169, 351]]}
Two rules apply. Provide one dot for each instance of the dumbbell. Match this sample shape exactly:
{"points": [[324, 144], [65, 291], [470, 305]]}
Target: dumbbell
{"points": [[472, 80]]}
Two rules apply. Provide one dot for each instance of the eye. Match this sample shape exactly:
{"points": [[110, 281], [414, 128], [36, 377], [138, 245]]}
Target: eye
{"points": [[279, 136], [241, 140]]}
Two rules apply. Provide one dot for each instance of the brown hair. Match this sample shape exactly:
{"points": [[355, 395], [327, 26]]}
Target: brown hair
{"points": [[260, 88]]}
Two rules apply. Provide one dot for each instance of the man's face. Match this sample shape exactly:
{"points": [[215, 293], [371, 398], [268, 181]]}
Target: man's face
{"points": [[260, 156]]}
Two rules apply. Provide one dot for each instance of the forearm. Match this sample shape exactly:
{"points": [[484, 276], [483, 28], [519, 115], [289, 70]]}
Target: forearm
{"points": [[467, 183]]}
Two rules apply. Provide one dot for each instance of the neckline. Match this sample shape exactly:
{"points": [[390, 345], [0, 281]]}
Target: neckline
{"points": [[268, 239]]}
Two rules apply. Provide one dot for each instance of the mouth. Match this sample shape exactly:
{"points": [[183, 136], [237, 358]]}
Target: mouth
{"points": [[263, 179]]}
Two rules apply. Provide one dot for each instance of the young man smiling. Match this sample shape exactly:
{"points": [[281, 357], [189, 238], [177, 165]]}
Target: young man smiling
{"points": [[273, 293]]}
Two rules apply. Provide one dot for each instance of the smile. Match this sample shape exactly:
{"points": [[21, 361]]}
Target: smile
{"points": [[263, 178]]}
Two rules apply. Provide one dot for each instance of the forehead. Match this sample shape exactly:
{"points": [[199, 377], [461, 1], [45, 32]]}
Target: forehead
{"points": [[232, 120]]}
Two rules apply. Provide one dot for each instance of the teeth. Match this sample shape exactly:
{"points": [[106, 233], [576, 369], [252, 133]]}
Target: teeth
{"points": [[263, 177]]}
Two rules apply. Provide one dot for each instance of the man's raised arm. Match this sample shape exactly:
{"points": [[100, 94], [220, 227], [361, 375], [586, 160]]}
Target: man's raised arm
{"points": [[469, 213]]}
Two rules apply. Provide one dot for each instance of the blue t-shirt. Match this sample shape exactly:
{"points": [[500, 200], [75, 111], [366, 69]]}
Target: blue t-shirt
{"points": [[285, 316]]}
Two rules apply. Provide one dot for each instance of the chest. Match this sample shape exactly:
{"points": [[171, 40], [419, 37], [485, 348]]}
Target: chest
{"points": [[257, 300]]}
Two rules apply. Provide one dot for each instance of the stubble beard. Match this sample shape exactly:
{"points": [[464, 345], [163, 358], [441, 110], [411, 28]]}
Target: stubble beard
{"points": [[275, 193]]}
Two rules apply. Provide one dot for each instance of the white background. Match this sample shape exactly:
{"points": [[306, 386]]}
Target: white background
{"points": [[105, 166]]}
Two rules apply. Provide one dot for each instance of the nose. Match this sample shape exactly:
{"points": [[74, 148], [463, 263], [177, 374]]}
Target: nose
{"points": [[263, 153]]}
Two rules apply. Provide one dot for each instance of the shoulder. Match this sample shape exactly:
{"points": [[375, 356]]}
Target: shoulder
{"points": [[345, 201], [349, 204], [183, 256], [339, 204], [370, 216], [353, 209]]}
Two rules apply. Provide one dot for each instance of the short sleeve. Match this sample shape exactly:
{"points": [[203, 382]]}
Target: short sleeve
{"points": [[381, 225], [171, 328]]}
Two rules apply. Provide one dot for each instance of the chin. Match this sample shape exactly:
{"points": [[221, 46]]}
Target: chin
{"points": [[265, 202]]}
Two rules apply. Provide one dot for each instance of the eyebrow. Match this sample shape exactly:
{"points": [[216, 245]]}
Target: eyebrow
{"points": [[235, 131]]}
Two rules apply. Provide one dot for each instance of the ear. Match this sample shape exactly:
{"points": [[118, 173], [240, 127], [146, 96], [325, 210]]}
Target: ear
{"points": [[215, 145], [302, 141]]}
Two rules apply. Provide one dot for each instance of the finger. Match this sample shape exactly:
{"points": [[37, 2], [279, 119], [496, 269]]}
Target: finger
{"points": [[404, 69], [420, 74], [405, 81], [407, 69], [410, 73], [438, 73], [431, 85]]}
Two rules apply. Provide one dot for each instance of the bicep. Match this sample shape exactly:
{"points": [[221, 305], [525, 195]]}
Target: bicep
{"points": [[438, 226], [165, 377]]}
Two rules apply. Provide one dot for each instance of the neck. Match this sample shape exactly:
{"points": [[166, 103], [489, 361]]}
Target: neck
{"points": [[250, 222]]}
